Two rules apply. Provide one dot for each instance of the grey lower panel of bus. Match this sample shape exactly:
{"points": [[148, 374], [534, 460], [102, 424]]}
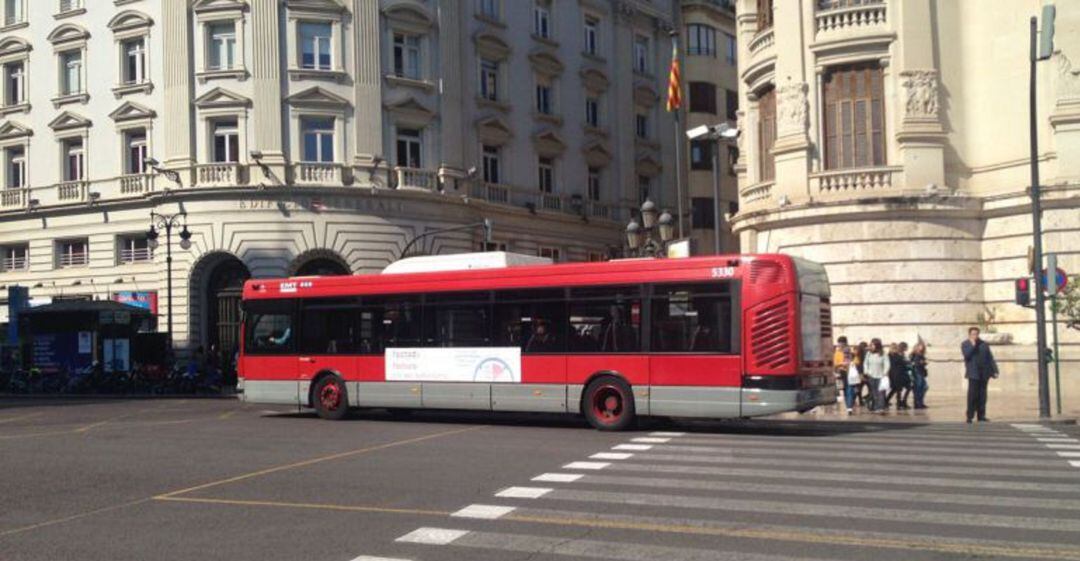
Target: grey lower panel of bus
{"points": [[272, 391], [461, 395], [386, 394], [756, 403], [546, 398], [679, 401]]}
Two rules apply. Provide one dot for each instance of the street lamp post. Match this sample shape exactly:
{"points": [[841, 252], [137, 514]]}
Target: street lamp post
{"points": [[1040, 52], [650, 236], [716, 134], [167, 222]]}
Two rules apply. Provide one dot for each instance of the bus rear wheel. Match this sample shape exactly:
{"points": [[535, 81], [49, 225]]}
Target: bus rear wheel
{"points": [[609, 404], [331, 399]]}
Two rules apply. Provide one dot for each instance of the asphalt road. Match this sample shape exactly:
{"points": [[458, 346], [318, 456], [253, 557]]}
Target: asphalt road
{"points": [[215, 479]]}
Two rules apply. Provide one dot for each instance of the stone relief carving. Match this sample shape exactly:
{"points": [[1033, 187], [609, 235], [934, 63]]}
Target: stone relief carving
{"points": [[791, 108], [1068, 80], [921, 92]]}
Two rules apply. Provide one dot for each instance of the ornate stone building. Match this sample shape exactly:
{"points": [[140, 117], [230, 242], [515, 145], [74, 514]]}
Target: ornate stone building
{"points": [[317, 136], [888, 140]]}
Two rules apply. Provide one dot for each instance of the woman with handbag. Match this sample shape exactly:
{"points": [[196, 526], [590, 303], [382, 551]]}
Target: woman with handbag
{"points": [[876, 368]]}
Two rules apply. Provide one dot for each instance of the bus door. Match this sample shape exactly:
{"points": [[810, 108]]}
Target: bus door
{"points": [[269, 360], [533, 321], [326, 343]]}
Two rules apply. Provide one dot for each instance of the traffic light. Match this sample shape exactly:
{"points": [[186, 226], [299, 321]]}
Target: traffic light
{"points": [[1023, 292]]}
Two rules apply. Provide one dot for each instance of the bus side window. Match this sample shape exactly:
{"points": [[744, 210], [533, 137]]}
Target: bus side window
{"points": [[692, 318], [605, 320], [327, 327], [401, 319], [269, 329], [534, 320]]}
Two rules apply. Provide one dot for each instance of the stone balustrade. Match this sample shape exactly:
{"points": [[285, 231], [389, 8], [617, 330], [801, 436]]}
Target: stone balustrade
{"points": [[762, 41], [317, 173], [15, 198], [415, 178], [72, 191], [136, 184], [219, 175], [491, 192], [851, 181], [756, 192], [841, 15]]}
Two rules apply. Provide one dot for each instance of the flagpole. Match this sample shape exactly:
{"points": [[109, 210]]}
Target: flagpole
{"points": [[678, 134]]}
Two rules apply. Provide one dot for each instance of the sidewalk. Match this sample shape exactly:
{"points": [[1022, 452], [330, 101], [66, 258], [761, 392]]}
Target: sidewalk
{"points": [[1001, 407]]}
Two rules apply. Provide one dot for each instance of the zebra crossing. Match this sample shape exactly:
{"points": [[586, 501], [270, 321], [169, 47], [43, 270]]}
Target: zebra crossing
{"points": [[912, 492]]}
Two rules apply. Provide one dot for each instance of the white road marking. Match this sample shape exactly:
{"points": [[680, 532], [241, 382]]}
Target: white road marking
{"points": [[1064, 446], [661, 433], [611, 456], [1075, 463], [558, 477], [1022, 426], [484, 512], [587, 465], [1058, 440], [523, 492], [370, 558], [432, 536], [638, 447], [1069, 454], [650, 440]]}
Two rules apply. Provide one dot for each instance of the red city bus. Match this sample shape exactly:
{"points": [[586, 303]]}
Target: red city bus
{"points": [[717, 337]]}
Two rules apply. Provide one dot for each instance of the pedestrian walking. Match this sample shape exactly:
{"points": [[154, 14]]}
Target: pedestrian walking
{"points": [[919, 372], [876, 368], [842, 357], [979, 367], [860, 361], [899, 383]]}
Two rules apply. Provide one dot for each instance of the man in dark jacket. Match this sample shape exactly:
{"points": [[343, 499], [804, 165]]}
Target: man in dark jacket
{"points": [[979, 367]]}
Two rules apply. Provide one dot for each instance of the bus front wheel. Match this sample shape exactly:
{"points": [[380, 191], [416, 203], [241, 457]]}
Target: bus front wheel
{"points": [[331, 399], [609, 404]]}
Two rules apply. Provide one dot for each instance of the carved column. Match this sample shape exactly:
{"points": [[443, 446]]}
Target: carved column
{"points": [[368, 91], [920, 136], [179, 150], [450, 103], [267, 85], [792, 149]]}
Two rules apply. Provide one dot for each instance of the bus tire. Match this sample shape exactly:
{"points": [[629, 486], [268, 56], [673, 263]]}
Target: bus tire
{"points": [[608, 404], [331, 398]]}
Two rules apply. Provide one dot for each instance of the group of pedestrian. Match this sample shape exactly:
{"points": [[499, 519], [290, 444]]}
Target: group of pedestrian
{"points": [[874, 376]]}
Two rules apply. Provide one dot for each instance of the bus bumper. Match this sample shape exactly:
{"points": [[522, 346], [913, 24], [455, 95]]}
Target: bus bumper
{"points": [[758, 401]]}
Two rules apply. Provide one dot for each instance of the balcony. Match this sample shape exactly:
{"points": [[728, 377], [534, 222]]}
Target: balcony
{"points": [[756, 192], [491, 192], [219, 175], [14, 198], [418, 179], [551, 202], [855, 182], [849, 16], [72, 191], [317, 173], [763, 40], [137, 255], [74, 259], [136, 184], [10, 264]]}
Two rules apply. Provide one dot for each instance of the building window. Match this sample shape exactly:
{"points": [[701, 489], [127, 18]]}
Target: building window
{"points": [[766, 135], [702, 215], [544, 97], [71, 67], [13, 12], [545, 170], [315, 45], [731, 53], [494, 246], [409, 148], [764, 14], [594, 184], [489, 79], [14, 83], [222, 45], [592, 35], [701, 155], [700, 40], [134, 53], [135, 142], [641, 125], [226, 141], [592, 112], [407, 56], [73, 253], [854, 117], [491, 164], [542, 19], [644, 187], [553, 253], [731, 105], [74, 160], [732, 160], [489, 9], [703, 97], [641, 54], [15, 258], [596, 257], [134, 249], [15, 164], [318, 139], [70, 5]]}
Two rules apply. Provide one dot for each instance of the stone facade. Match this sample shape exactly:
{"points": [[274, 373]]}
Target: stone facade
{"points": [[318, 136], [928, 238]]}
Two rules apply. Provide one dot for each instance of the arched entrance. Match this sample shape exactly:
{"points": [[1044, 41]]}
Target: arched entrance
{"points": [[223, 282], [319, 262]]}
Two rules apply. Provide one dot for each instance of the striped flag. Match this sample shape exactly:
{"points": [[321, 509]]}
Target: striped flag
{"points": [[674, 89]]}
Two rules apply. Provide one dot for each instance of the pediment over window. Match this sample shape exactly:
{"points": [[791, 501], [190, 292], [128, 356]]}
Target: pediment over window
{"points": [[317, 97], [13, 46], [491, 45], [11, 129], [131, 111], [333, 6], [202, 6], [130, 19], [648, 165], [494, 130], [596, 154], [595, 80], [410, 110], [548, 143], [68, 32], [69, 120], [645, 94], [221, 97], [545, 62], [410, 14]]}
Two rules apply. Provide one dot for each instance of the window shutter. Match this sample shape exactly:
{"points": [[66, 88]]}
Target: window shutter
{"points": [[854, 117], [766, 135]]}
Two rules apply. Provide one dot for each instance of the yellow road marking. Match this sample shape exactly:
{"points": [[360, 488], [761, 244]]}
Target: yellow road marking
{"points": [[227, 414], [21, 417], [313, 461], [314, 506], [70, 518]]}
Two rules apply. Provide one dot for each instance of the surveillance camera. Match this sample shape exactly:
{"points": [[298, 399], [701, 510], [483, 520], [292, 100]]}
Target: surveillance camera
{"points": [[152, 162], [256, 154], [699, 132]]}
